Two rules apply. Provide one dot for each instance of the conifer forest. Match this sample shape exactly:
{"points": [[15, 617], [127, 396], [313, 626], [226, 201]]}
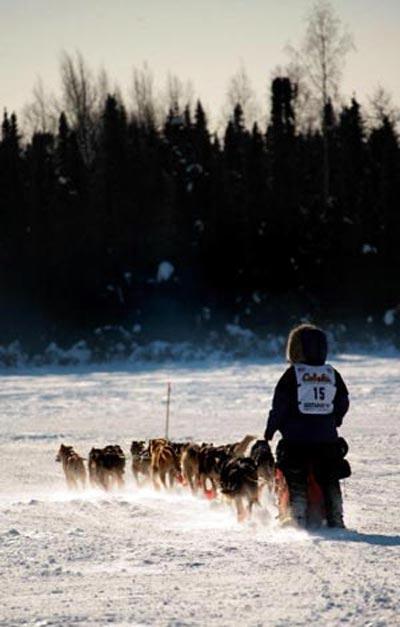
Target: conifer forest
{"points": [[112, 216]]}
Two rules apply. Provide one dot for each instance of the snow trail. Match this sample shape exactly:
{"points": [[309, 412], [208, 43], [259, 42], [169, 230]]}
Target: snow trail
{"points": [[143, 557]]}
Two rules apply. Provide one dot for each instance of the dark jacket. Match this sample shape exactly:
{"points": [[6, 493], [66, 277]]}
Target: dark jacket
{"points": [[304, 428], [307, 344]]}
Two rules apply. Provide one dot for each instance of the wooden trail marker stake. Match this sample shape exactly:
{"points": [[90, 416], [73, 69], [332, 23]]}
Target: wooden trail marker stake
{"points": [[168, 405]]}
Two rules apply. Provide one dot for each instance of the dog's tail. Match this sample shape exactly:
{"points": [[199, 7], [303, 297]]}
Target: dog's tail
{"points": [[239, 449]]}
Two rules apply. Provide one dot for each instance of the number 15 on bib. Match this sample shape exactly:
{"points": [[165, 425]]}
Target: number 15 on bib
{"points": [[316, 388]]}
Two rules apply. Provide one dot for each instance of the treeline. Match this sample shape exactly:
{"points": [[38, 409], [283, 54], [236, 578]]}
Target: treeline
{"points": [[255, 225]]}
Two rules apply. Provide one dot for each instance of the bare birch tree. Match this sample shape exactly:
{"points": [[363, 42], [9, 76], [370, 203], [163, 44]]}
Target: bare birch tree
{"points": [[321, 60], [143, 97], [325, 46], [178, 93], [240, 91], [82, 99], [41, 114]]}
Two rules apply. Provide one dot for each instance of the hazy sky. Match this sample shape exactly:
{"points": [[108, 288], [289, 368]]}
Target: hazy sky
{"points": [[205, 41]]}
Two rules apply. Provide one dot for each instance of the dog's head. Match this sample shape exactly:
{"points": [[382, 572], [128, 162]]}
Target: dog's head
{"points": [[118, 450], [214, 458], [112, 456], [113, 449], [95, 454], [221, 457], [261, 453], [138, 447], [235, 472], [179, 447], [63, 452]]}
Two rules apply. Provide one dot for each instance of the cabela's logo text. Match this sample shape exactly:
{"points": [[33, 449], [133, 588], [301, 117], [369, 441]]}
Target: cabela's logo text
{"points": [[314, 377]]}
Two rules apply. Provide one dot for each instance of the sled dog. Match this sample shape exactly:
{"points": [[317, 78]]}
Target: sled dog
{"points": [[164, 463], [73, 466], [239, 482], [141, 460], [107, 466]]}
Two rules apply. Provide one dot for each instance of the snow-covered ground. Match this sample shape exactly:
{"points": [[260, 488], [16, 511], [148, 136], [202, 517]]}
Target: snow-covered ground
{"points": [[141, 558]]}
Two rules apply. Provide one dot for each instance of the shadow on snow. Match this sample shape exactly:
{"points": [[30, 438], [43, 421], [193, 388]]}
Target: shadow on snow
{"points": [[374, 539]]}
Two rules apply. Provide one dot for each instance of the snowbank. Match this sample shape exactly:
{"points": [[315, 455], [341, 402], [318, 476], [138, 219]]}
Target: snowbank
{"points": [[113, 343]]}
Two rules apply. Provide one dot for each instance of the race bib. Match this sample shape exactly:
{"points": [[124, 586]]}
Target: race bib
{"points": [[316, 388]]}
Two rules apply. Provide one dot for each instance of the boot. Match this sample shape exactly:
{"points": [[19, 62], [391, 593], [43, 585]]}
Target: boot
{"points": [[333, 504], [298, 505], [299, 510]]}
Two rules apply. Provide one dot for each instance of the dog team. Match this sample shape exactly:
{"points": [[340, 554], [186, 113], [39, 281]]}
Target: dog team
{"points": [[309, 403], [204, 468]]}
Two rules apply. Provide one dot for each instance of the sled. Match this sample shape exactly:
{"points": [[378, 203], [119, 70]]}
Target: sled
{"points": [[315, 515]]}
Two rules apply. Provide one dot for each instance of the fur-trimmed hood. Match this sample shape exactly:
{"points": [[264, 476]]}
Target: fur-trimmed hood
{"points": [[307, 344]]}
